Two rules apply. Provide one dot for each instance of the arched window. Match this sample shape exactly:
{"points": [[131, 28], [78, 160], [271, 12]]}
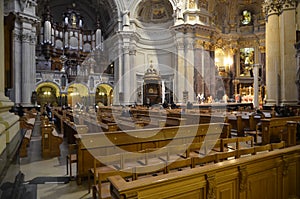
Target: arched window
{"points": [[246, 17]]}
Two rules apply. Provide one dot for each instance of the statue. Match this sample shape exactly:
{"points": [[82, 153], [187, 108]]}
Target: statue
{"points": [[179, 10]]}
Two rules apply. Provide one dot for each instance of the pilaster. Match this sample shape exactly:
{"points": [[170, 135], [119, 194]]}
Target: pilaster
{"points": [[9, 125], [180, 72], [189, 68], [287, 26], [24, 42], [272, 10]]}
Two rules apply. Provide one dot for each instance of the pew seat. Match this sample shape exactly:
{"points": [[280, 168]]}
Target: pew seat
{"points": [[25, 143]]}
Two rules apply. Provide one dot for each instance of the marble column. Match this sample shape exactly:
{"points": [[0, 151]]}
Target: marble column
{"points": [[199, 66], [17, 67], [133, 82], [189, 68], [180, 72], [26, 74], [255, 85], [9, 125], [272, 52], [24, 42], [126, 76], [209, 70], [118, 95], [287, 26]]}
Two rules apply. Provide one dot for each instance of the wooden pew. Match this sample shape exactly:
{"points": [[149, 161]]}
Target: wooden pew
{"points": [[25, 143], [138, 140], [27, 122], [160, 162], [50, 141], [278, 129], [247, 176]]}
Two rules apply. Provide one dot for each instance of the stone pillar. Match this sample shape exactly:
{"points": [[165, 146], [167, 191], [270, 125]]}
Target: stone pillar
{"points": [[199, 66], [9, 125], [272, 51], [126, 76], [17, 67], [133, 82], [209, 70], [287, 53], [179, 76], [255, 85], [26, 74], [189, 68], [24, 43], [118, 98]]}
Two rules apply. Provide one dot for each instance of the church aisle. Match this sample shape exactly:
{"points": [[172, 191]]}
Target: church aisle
{"points": [[50, 174]]}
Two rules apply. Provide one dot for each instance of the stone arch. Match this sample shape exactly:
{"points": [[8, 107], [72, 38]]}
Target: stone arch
{"points": [[104, 94], [78, 93], [48, 92]]}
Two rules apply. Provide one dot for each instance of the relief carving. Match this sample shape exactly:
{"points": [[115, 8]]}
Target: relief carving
{"points": [[285, 166], [272, 7], [211, 186], [288, 4], [243, 178]]}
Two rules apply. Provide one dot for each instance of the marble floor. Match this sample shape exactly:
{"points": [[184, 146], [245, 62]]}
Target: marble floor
{"points": [[34, 166]]}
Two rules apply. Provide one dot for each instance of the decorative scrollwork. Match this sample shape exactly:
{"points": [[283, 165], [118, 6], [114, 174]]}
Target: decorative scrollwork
{"points": [[243, 178], [211, 186], [285, 166]]}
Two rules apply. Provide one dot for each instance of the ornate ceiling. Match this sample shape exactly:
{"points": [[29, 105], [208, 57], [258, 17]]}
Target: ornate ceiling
{"points": [[224, 13], [154, 11]]}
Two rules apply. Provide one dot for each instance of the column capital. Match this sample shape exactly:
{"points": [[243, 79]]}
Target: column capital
{"points": [[262, 49], [288, 4], [126, 49], [180, 45], [272, 7], [28, 38], [208, 46]]}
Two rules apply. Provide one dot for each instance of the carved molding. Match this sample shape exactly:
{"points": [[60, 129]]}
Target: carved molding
{"points": [[285, 166], [243, 178], [211, 186], [288, 4], [271, 7], [27, 37]]}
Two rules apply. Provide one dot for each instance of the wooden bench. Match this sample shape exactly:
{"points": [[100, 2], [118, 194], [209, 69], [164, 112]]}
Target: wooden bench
{"points": [[243, 176], [51, 141], [27, 122], [278, 129], [160, 162], [25, 143], [138, 140]]}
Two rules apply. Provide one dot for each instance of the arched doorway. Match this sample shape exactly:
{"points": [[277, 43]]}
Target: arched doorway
{"points": [[47, 92], [78, 93], [104, 95]]}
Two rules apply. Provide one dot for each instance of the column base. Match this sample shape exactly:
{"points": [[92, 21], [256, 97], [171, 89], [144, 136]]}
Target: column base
{"points": [[288, 102]]}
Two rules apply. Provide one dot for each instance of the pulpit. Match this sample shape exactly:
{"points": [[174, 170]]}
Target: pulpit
{"points": [[152, 87]]}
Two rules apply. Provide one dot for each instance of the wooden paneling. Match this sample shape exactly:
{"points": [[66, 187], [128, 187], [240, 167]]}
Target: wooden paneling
{"points": [[272, 175]]}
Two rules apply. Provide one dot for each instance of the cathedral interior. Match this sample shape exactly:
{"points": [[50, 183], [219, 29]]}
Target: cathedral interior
{"points": [[99, 51], [174, 58]]}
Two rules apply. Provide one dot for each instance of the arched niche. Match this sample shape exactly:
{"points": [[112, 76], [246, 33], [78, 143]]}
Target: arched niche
{"points": [[104, 95], [78, 93], [47, 92]]}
